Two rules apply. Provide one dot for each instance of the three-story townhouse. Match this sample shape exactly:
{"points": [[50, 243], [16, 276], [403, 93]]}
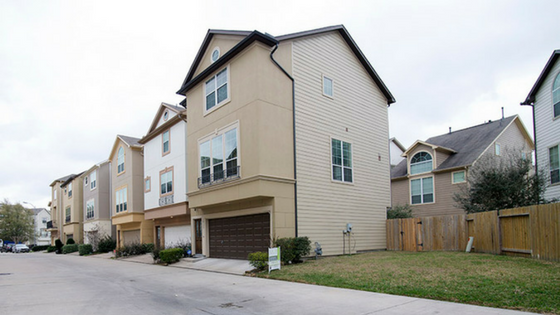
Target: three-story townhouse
{"points": [[72, 209], [54, 226]]}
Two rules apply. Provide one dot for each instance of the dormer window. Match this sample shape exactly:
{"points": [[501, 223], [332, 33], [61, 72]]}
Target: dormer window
{"points": [[421, 162]]}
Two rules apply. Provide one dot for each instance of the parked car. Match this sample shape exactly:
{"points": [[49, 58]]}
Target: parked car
{"points": [[9, 247], [20, 248]]}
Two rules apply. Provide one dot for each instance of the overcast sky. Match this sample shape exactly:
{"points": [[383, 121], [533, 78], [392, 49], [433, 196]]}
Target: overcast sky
{"points": [[74, 74]]}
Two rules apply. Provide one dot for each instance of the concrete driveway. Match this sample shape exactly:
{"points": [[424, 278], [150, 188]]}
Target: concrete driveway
{"points": [[39, 283]]}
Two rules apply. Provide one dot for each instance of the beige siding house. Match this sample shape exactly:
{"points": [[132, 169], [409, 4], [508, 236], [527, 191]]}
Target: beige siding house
{"points": [[72, 210], [57, 214], [435, 169], [97, 203], [127, 199], [279, 146]]}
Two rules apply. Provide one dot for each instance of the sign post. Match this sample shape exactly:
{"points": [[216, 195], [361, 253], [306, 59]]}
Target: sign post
{"points": [[273, 259]]}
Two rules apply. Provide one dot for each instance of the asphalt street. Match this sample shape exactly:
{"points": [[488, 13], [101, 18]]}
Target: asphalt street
{"points": [[40, 283]]}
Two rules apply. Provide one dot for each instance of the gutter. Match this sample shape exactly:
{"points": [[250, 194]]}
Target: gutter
{"points": [[527, 103], [294, 131]]}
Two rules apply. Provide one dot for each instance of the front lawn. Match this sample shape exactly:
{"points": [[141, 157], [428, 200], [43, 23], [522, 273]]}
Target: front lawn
{"points": [[480, 279]]}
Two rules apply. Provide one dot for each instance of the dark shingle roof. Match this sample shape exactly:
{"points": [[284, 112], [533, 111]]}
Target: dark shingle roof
{"points": [[531, 97], [131, 141], [469, 144]]}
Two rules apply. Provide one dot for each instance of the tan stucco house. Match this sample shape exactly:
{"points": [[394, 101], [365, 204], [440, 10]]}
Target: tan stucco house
{"points": [[54, 226], [127, 199], [165, 176], [72, 223], [286, 136], [435, 169]]}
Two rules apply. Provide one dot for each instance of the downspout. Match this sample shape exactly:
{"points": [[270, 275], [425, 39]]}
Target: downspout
{"points": [[294, 132], [535, 143]]}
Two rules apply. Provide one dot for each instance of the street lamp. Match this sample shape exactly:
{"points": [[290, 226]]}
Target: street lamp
{"points": [[29, 203]]}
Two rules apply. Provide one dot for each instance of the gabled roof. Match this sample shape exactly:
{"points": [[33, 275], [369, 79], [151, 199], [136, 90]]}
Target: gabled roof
{"points": [[130, 142], [270, 40], [178, 110], [468, 144], [61, 180], [97, 165], [36, 211], [70, 179], [431, 145], [531, 97]]}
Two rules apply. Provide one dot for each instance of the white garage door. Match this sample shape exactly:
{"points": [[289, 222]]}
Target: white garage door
{"points": [[177, 234]]}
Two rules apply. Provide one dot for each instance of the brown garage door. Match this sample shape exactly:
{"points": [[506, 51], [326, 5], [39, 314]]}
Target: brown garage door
{"points": [[236, 237]]}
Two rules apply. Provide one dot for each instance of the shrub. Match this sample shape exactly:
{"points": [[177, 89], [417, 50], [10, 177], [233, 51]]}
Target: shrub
{"points": [[293, 248], [184, 245], [58, 243], [70, 241], [259, 260], [51, 249], [134, 249], [85, 249], [155, 254], [40, 248], [106, 244], [171, 255], [399, 212], [146, 248], [70, 248]]}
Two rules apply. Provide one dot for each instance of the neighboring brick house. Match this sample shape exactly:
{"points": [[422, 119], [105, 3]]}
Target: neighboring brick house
{"points": [[165, 176], [286, 136], [544, 97], [435, 169]]}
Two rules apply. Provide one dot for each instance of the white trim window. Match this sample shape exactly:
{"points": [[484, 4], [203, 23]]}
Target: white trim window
{"points": [[458, 177], [497, 149], [54, 194], [421, 162], [219, 158], [90, 209], [121, 200], [341, 161], [69, 190], [166, 180], [165, 140], [68, 214], [120, 161], [328, 86], [85, 181], [554, 164], [422, 190], [93, 180], [217, 90], [556, 97]]}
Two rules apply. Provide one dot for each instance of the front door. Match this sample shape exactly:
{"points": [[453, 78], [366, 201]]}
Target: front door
{"points": [[198, 236]]}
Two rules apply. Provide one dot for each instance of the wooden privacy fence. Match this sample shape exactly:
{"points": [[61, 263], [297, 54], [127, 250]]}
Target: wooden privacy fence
{"points": [[530, 231]]}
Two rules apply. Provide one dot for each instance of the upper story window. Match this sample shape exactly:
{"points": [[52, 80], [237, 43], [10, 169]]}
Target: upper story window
{"points": [[121, 200], [556, 96], [554, 161], [497, 149], [165, 142], [219, 157], [93, 180], [166, 182], [68, 214], [85, 181], [166, 115], [328, 86], [216, 90], [458, 177], [120, 161], [69, 190], [421, 162], [90, 209], [422, 190], [341, 160], [54, 194], [148, 184]]}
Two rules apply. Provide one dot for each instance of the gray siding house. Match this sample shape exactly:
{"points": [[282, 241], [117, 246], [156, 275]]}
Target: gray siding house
{"points": [[97, 203]]}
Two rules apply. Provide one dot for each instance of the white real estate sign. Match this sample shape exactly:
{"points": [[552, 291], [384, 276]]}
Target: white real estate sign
{"points": [[273, 259]]}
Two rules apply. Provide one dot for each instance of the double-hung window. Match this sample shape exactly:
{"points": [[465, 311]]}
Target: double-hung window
{"points": [[556, 96], [554, 162], [328, 87], [218, 157], [166, 180], [121, 199], [216, 89], [341, 160], [458, 177], [120, 161], [93, 180], [422, 190], [69, 190], [90, 209], [165, 142], [68, 215]]}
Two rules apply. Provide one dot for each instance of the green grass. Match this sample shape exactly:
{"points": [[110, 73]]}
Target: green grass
{"points": [[489, 280]]}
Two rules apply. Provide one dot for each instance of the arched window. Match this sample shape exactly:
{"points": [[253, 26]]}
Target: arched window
{"points": [[421, 162], [120, 161], [556, 96]]}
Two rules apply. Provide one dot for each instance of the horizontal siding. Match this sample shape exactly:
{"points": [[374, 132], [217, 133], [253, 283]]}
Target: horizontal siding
{"points": [[324, 206], [548, 130]]}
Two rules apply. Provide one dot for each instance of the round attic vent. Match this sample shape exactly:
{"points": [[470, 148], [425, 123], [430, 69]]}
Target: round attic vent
{"points": [[215, 54]]}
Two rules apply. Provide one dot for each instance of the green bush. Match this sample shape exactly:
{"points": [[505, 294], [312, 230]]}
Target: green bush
{"points": [[293, 248], [171, 255], [259, 260], [134, 249], [399, 212], [106, 244], [70, 241], [70, 248], [155, 254], [147, 247], [58, 243], [51, 249], [85, 249], [40, 248]]}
